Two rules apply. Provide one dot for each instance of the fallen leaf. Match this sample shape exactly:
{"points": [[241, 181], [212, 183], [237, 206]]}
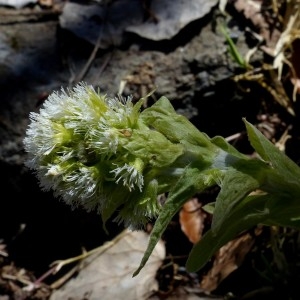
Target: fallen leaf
{"points": [[253, 12], [105, 24], [46, 3], [172, 16], [227, 259], [191, 219], [101, 24], [109, 275], [16, 3]]}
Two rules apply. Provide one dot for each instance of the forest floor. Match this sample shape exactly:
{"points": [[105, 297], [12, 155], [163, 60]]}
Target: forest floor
{"points": [[133, 47]]}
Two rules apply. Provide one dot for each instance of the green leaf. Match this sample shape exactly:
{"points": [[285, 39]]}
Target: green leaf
{"points": [[224, 145], [162, 117], [235, 187], [284, 212], [209, 207], [233, 50], [235, 212], [246, 214], [190, 182], [279, 161]]}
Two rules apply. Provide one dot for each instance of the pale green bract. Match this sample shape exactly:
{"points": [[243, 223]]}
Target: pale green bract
{"points": [[107, 154]]}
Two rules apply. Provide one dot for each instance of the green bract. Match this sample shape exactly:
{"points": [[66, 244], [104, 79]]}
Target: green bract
{"points": [[106, 154]]}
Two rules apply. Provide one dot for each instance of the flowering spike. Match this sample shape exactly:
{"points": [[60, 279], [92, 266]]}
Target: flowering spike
{"points": [[104, 154], [96, 152]]}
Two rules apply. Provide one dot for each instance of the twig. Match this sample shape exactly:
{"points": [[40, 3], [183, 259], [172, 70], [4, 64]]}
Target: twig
{"points": [[99, 250], [87, 66], [233, 137], [58, 264], [58, 283]]}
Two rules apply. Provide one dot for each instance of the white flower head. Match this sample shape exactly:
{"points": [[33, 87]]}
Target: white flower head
{"points": [[121, 111], [103, 139], [43, 135], [98, 152], [130, 176]]}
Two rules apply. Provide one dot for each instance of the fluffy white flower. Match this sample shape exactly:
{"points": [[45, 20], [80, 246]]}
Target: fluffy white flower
{"points": [[97, 152], [130, 177]]}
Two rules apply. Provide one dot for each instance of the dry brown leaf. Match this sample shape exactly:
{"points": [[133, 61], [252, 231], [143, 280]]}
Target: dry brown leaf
{"points": [[227, 259], [191, 219], [109, 275], [252, 11], [46, 3]]}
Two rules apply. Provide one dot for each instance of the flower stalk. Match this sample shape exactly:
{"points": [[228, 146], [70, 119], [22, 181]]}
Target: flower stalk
{"points": [[108, 155]]}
